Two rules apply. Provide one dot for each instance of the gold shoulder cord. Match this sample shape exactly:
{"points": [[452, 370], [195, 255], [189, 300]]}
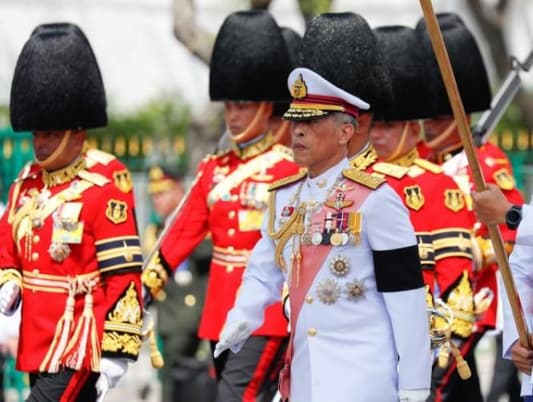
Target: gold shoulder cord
{"points": [[16, 191], [14, 198], [293, 226]]}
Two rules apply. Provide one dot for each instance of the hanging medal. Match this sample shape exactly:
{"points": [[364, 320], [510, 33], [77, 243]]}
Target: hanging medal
{"points": [[355, 222], [59, 251]]}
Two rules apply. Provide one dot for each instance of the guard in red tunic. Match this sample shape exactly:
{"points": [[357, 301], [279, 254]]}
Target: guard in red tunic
{"points": [[436, 205], [69, 248], [445, 148], [249, 69]]}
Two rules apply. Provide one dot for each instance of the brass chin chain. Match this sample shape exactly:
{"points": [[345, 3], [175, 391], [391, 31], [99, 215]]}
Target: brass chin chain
{"points": [[64, 175]]}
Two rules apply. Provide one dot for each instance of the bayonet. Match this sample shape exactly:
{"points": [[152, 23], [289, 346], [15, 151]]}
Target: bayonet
{"points": [[508, 90]]}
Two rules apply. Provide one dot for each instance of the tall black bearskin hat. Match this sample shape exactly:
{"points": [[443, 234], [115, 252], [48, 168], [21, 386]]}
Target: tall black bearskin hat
{"points": [[467, 64], [342, 48], [293, 40], [411, 98], [250, 61], [57, 84]]}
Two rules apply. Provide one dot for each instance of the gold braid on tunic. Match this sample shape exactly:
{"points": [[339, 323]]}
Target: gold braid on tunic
{"points": [[294, 226]]}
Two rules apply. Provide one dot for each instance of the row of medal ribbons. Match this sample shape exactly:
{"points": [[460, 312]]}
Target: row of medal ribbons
{"points": [[333, 229]]}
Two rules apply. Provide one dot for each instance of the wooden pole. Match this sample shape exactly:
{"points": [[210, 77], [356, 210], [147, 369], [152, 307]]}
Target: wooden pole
{"points": [[479, 182]]}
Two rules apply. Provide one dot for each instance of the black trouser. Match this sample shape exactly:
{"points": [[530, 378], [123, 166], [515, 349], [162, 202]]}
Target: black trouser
{"points": [[252, 374], [64, 386]]}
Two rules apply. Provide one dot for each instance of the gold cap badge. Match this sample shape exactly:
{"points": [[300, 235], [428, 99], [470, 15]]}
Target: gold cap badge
{"points": [[299, 89]]}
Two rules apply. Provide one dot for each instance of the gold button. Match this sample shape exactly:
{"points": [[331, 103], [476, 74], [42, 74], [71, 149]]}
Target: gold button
{"points": [[309, 299], [231, 249], [35, 256], [231, 214], [234, 198], [311, 332], [36, 239], [35, 272], [190, 300], [231, 232], [229, 268]]}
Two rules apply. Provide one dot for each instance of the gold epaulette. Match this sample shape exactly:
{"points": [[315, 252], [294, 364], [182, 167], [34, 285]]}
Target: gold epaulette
{"points": [[390, 169], [490, 161], [94, 178], [285, 151], [288, 180], [366, 179], [29, 169], [427, 165], [100, 156]]}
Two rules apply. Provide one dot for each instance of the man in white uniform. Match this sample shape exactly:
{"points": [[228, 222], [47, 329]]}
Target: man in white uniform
{"points": [[492, 207], [342, 241]]}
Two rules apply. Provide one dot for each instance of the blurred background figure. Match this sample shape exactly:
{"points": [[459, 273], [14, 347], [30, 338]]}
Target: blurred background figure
{"points": [[281, 128], [185, 376]]}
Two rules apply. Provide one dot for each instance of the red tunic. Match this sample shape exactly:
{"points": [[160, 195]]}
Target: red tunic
{"points": [[227, 199], [94, 223], [496, 169], [439, 216]]}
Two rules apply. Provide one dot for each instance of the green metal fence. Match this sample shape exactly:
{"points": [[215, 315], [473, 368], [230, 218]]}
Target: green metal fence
{"points": [[134, 151], [16, 150]]}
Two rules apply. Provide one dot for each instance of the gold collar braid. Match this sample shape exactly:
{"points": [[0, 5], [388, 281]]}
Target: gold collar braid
{"points": [[64, 175], [254, 149], [364, 159], [408, 159]]}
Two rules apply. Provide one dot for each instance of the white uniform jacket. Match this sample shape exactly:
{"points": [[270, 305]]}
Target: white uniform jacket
{"points": [[521, 264], [349, 346]]}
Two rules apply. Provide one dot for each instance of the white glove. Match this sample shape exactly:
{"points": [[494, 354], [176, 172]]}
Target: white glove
{"points": [[413, 395], [9, 297], [148, 324], [111, 371], [232, 337]]}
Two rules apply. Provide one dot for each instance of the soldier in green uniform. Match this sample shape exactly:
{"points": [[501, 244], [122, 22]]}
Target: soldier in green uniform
{"points": [[180, 307]]}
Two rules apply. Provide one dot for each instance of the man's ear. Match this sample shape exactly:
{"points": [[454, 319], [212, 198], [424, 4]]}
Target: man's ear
{"points": [[346, 133]]}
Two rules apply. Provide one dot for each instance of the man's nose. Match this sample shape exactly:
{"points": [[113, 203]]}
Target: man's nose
{"points": [[297, 129]]}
